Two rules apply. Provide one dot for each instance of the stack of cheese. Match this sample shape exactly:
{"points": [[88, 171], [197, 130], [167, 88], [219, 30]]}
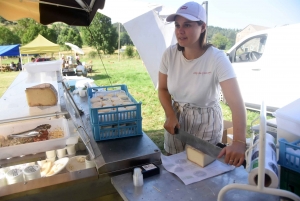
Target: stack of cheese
{"points": [[106, 101], [198, 157], [41, 95]]}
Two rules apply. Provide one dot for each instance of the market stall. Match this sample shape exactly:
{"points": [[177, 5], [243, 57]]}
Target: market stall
{"points": [[72, 115], [8, 50]]}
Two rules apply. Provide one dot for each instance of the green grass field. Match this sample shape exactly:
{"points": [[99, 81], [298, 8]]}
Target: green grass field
{"points": [[133, 73]]}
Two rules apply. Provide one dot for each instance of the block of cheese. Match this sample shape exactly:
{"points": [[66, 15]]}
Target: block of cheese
{"points": [[198, 157], [41, 95]]}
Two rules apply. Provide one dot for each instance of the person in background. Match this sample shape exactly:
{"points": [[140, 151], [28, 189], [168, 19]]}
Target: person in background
{"points": [[19, 66], [32, 59], [64, 61], [80, 70], [190, 76], [78, 59], [13, 66]]}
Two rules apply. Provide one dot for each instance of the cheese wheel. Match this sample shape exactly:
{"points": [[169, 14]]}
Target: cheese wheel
{"points": [[113, 99], [95, 99], [198, 157], [110, 94], [117, 103], [96, 105], [41, 95], [106, 97], [127, 102], [99, 95]]}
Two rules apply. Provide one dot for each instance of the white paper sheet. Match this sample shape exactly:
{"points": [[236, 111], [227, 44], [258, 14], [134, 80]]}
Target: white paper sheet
{"points": [[190, 172]]}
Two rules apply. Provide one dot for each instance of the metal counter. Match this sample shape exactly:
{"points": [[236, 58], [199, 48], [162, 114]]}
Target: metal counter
{"points": [[168, 187], [112, 157]]}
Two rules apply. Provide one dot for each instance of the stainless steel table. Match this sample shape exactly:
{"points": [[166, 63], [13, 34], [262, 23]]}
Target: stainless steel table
{"points": [[168, 187], [112, 157]]}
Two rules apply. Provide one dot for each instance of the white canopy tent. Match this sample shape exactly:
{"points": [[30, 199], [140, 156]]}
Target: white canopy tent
{"points": [[150, 35], [75, 48]]}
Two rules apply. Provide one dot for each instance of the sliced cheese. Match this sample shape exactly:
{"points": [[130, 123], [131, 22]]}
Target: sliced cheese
{"points": [[46, 168], [198, 157], [41, 95]]}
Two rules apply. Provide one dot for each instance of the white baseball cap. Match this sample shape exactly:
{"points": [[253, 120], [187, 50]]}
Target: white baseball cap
{"points": [[191, 10]]}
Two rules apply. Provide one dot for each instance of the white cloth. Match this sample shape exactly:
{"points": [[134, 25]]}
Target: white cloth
{"points": [[196, 81]]}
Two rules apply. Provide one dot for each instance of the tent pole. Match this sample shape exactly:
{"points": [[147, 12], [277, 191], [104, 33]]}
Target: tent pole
{"points": [[21, 61], [119, 44]]}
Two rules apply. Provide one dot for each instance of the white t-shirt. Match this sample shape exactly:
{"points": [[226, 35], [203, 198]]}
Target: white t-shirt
{"points": [[196, 81], [80, 67]]}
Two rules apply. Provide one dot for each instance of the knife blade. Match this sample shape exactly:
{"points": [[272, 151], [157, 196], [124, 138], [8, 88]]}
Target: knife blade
{"points": [[201, 145]]}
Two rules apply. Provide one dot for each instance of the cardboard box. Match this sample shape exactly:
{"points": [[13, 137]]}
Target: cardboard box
{"points": [[227, 129], [288, 121]]}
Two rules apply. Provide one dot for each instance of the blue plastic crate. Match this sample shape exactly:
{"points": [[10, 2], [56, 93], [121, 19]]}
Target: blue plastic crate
{"points": [[289, 154], [117, 116], [108, 132]]}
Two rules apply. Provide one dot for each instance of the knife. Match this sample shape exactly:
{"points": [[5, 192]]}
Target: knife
{"points": [[202, 145]]}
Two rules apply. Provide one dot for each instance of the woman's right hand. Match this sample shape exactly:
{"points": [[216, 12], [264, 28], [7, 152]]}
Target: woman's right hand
{"points": [[170, 124]]}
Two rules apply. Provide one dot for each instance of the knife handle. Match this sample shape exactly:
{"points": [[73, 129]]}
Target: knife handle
{"points": [[244, 163], [176, 130]]}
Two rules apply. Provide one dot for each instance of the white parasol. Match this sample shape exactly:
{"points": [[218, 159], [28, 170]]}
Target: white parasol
{"points": [[138, 20], [75, 48]]}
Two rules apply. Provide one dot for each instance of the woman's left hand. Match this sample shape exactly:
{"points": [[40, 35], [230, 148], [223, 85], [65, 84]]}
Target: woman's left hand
{"points": [[234, 154]]}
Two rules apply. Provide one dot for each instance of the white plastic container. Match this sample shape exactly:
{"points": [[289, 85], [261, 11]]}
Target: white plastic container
{"points": [[2, 179], [288, 121], [33, 147], [46, 66]]}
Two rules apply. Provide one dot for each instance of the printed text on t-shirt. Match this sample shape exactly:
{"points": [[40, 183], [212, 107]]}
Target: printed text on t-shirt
{"points": [[203, 73]]}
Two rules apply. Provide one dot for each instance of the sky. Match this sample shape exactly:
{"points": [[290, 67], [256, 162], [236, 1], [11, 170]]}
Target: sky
{"points": [[237, 14]]}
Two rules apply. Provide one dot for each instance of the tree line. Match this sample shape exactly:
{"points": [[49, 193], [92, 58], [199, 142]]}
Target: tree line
{"points": [[101, 34]]}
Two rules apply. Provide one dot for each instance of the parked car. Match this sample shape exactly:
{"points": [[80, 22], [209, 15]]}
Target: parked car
{"points": [[40, 59], [267, 64]]}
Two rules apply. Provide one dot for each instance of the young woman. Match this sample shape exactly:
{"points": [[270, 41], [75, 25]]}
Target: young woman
{"points": [[190, 76]]}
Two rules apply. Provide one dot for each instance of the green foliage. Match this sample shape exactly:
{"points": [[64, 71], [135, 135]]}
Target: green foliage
{"points": [[7, 37], [101, 34], [125, 39], [129, 51], [2, 20], [28, 29], [92, 54], [219, 41], [230, 34], [136, 54], [70, 35], [122, 28], [58, 27]]}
